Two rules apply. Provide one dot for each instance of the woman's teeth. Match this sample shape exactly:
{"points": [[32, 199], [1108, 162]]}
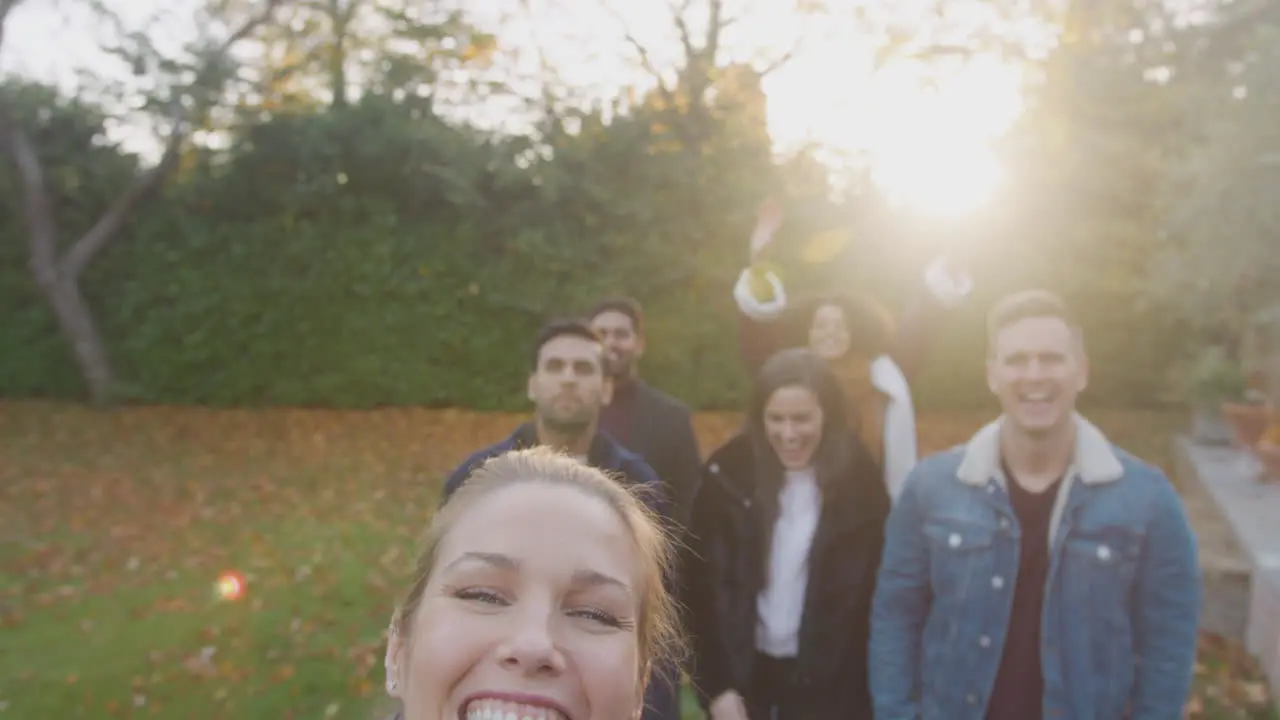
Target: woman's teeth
{"points": [[501, 710]]}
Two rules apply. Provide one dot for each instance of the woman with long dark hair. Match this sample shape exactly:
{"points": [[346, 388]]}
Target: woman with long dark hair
{"points": [[786, 536]]}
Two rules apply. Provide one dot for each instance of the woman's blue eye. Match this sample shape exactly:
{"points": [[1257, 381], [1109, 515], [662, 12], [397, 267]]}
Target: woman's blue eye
{"points": [[599, 616], [484, 596], [489, 597]]}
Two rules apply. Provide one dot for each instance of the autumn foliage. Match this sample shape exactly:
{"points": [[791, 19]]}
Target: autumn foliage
{"points": [[121, 531]]}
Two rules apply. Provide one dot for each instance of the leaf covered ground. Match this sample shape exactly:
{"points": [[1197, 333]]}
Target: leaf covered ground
{"points": [[116, 526]]}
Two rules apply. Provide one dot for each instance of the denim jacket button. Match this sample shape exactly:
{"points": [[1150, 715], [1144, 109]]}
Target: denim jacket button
{"points": [[997, 582], [984, 641], [954, 540], [1004, 523], [1104, 553], [971, 699]]}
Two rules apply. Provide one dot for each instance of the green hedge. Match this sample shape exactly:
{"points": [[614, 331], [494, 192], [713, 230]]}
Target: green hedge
{"points": [[361, 315], [376, 312]]}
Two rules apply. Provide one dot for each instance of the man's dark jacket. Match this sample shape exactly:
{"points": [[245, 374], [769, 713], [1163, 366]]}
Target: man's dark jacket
{"points": [[659, 429], [605, 454], [662, 701]]}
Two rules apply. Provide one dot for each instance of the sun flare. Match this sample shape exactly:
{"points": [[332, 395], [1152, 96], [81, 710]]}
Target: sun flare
{"points": [[937, 175], [929, 139]]}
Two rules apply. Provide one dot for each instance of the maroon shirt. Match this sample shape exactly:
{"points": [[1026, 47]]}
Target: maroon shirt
{"points": [[615, 418], [1018, 693]]}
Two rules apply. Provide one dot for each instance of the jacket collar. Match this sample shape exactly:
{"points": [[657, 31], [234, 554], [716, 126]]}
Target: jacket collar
{"points": [[731, 465], [602, 454], [858, 495], [1095, 460]]}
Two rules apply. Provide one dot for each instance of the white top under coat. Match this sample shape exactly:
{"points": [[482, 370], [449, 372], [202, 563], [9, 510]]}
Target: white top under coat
{"points": [[780, 604]]}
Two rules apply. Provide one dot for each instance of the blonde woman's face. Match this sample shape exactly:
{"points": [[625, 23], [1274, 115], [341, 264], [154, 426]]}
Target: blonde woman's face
{"points": [[532, 612]]}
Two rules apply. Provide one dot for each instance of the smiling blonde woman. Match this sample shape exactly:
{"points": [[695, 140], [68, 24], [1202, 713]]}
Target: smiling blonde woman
{"points": [[539, 594]]}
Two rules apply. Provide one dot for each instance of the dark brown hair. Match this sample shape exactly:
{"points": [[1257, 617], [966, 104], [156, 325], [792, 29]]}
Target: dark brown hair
{"points": [[871, 326], [836, 448], [563, 327], [625, 305]]}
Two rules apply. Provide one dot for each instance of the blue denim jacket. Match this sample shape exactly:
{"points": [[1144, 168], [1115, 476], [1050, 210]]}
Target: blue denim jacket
{"points": [[1121, 606]]}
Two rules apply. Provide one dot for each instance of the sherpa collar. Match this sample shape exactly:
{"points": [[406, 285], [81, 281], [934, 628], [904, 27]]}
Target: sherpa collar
{"points": [[1095, 460]]}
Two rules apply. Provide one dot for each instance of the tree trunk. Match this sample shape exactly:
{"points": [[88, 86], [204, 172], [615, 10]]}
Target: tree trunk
{"points": [[338, 70], [59, 278], [76, 322], [340, 17]]}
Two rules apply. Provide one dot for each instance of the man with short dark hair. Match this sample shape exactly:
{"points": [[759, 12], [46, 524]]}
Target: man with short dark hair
{"points": [[568, 386], [1038, 572], [644, 419]]}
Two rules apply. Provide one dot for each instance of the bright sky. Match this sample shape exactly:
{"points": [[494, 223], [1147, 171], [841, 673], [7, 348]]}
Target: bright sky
{"points": [[931, 149]]}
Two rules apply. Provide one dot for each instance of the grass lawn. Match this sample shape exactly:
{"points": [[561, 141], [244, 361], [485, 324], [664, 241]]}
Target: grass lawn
{"points": [[115, 525]]}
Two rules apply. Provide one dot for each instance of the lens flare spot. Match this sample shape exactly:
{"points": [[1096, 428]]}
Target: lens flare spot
{"points": [[230, 586]]}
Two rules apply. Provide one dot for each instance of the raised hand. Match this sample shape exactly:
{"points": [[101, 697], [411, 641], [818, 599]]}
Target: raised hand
{"points": [[768, 219], [948, 280], [728, 706]]}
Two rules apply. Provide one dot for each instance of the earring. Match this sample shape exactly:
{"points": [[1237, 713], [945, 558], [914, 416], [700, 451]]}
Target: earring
{"points": [[392, 685]]}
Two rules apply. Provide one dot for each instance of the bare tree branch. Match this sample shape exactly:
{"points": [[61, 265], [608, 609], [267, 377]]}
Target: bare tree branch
{"points": [[58, 280], [91, 243], [250, 25], [646, 62], [42, 231], [746, 10], [6, 6], [686, 39], [700, 62], [643, 54], [548, 71], [778, 62], [715, 29], [786, 57]]}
